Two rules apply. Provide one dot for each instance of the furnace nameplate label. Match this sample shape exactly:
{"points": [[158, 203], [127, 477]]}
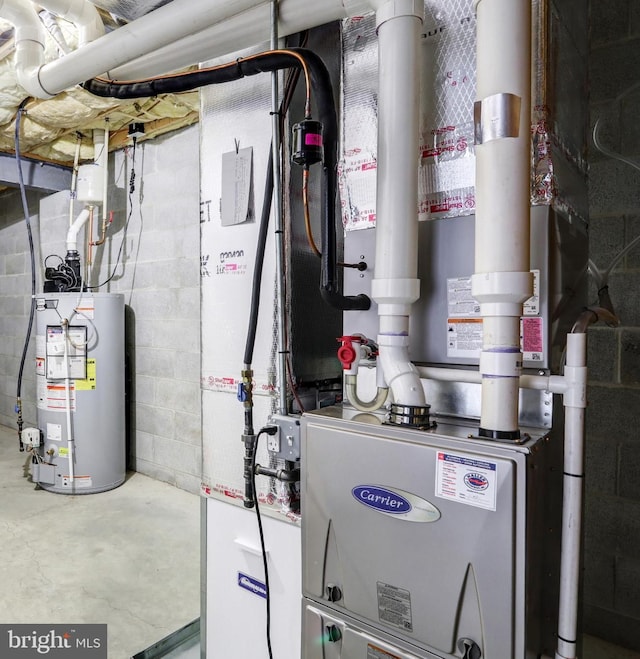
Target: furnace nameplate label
{"points": [[394, 606], [466, 479]]}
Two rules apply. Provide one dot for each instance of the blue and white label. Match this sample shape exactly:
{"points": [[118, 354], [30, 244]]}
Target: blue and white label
{"points": [[252, 585], [466, 479], [396, 503]]}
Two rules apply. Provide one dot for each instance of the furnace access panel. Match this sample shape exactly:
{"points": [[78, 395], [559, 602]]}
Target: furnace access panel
{"points": [[422, 536]]}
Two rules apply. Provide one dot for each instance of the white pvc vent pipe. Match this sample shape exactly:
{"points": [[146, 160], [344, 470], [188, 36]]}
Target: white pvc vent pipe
{"points": [[502, 281], [164, 26], [396, 285], [81, 13]]}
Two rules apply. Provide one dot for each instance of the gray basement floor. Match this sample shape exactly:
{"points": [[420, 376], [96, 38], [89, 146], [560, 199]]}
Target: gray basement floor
{"points": [[129, 557]]}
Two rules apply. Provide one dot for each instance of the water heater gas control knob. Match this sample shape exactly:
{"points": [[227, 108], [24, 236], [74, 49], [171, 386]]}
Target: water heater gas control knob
{"points": [[334, 593], [333, 633]]}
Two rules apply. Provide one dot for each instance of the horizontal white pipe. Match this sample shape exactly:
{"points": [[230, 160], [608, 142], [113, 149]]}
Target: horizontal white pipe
{"points": [[81, 13], [166, 25], [555, 384], [72, 234], [239, 31]]}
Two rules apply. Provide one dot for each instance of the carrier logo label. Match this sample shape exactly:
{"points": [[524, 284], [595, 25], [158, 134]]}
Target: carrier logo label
{"points": [[252, 585], [476, 481], [395, 502]]}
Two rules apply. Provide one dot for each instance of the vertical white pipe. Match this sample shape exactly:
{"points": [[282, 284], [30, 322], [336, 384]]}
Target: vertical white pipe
{"points": [[575, 403], [67, 391], [502, 281], [396, 285]]}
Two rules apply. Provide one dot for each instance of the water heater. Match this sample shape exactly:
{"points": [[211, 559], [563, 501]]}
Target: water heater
{"points": [[80, 392]]}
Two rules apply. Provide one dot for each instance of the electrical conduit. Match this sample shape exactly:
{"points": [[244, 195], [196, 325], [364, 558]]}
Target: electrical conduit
{"points": [[502, 281]]}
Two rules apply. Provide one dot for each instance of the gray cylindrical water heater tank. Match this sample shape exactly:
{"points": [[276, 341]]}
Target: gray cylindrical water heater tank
{"points": [[80, 377]]}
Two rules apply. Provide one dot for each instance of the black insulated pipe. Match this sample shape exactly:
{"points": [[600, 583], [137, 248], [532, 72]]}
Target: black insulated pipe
{"points": [[261, 63]]}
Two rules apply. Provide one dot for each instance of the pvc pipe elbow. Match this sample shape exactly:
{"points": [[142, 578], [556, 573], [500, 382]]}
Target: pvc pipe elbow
{"points": [[401, 375], [364, 406], [81, 13], [72, 234]]}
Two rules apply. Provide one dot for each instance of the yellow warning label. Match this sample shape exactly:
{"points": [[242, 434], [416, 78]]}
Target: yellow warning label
{"points": [[63, 452], [90, 383]]}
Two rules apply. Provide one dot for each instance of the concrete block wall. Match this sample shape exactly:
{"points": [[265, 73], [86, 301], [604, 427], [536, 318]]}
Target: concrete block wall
{"points": [[612, 524], [15, 303], [159, 275]]}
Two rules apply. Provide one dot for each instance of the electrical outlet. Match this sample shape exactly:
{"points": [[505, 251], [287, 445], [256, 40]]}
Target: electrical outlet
{"points": [[273, 442]]}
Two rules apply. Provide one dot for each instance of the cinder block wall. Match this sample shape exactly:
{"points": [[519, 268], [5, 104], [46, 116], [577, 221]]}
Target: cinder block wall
{"points": [[159, 275], [612, 556], [15, 302]]}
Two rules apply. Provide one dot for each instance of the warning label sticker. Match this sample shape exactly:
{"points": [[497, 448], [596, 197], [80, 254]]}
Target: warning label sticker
{"points": [[52, 396], [466, 479], [88, 384], [464, 337], [394, 606], [374, 652], [460, 302], [532, 338]]}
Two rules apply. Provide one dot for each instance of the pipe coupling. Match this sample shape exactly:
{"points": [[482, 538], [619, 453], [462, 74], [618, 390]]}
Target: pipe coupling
{"points": [[388, 9], [501, 293], [412, 416]]}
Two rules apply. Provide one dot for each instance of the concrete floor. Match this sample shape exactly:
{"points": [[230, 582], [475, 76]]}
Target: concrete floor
{"points": [[129, 558]]}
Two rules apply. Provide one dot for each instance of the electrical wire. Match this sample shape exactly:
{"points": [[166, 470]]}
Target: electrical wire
{"points": [[263, 549], [27, 219], [132, 187]]}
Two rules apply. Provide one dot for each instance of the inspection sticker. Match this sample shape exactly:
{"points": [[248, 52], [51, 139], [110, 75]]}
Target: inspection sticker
{"points": [[465, 479]]}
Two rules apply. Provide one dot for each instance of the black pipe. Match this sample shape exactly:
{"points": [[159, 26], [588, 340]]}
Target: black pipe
{"points": [[252, 65], [284, 475]]}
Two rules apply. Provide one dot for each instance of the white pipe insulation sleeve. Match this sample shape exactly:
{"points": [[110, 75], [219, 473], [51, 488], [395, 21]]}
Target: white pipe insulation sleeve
{"points": [[72, 234]]}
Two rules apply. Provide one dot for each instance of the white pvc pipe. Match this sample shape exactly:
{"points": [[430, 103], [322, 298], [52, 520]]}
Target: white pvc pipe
{"points": [[396, 286], [81, 13], [502, 281], [575, 402], [30, 38], [72, 234], [555, 384], [239, 31], [161, 27]]}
